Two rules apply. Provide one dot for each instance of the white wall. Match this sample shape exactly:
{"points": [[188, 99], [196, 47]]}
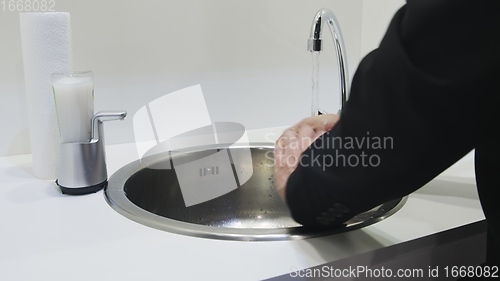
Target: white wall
{"points": [[249, 57], [376, 16]]}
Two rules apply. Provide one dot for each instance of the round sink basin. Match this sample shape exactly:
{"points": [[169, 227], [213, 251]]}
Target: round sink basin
{"points": [[233, 200]]}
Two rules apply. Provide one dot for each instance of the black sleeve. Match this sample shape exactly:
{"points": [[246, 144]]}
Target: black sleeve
{"points": [[412, 112]]}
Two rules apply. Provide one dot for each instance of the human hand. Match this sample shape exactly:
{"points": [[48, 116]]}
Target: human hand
{"points": [[293, 142]]}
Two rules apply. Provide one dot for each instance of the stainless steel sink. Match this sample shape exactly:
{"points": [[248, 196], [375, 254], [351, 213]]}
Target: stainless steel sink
{"points": [[148, 192]]}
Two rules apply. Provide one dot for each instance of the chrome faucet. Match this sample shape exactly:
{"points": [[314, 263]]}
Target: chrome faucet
{"points": [[315, 42]]}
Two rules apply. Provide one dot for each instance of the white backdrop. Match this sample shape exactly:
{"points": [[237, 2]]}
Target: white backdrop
{"points": [[249, 57]]}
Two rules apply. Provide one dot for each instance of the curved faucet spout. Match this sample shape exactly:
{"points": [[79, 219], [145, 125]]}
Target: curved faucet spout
{"points": [[315, 44]]}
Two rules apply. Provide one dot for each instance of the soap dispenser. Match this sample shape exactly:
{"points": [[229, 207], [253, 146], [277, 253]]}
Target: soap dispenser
{"points": [[82, 164]]}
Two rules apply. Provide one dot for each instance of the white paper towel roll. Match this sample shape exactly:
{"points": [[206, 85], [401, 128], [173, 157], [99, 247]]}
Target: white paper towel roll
{"points": [[46, 45]]}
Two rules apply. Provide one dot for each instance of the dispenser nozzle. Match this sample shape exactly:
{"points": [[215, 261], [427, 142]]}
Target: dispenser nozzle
{"points": [[102, 116]]}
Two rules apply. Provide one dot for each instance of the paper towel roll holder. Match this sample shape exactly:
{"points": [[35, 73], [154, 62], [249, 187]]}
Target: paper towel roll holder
{"points": [[82, 165]]}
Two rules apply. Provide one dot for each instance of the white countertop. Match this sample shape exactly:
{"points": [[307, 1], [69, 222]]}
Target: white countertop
{"points": [[46, 235]]}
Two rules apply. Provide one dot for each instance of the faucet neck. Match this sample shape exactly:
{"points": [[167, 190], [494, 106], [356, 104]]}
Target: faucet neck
{"points": [[315, 45]]}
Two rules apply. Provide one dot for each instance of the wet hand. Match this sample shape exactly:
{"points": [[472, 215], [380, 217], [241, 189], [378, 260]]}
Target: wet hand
{"points": [[293, 142]]}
